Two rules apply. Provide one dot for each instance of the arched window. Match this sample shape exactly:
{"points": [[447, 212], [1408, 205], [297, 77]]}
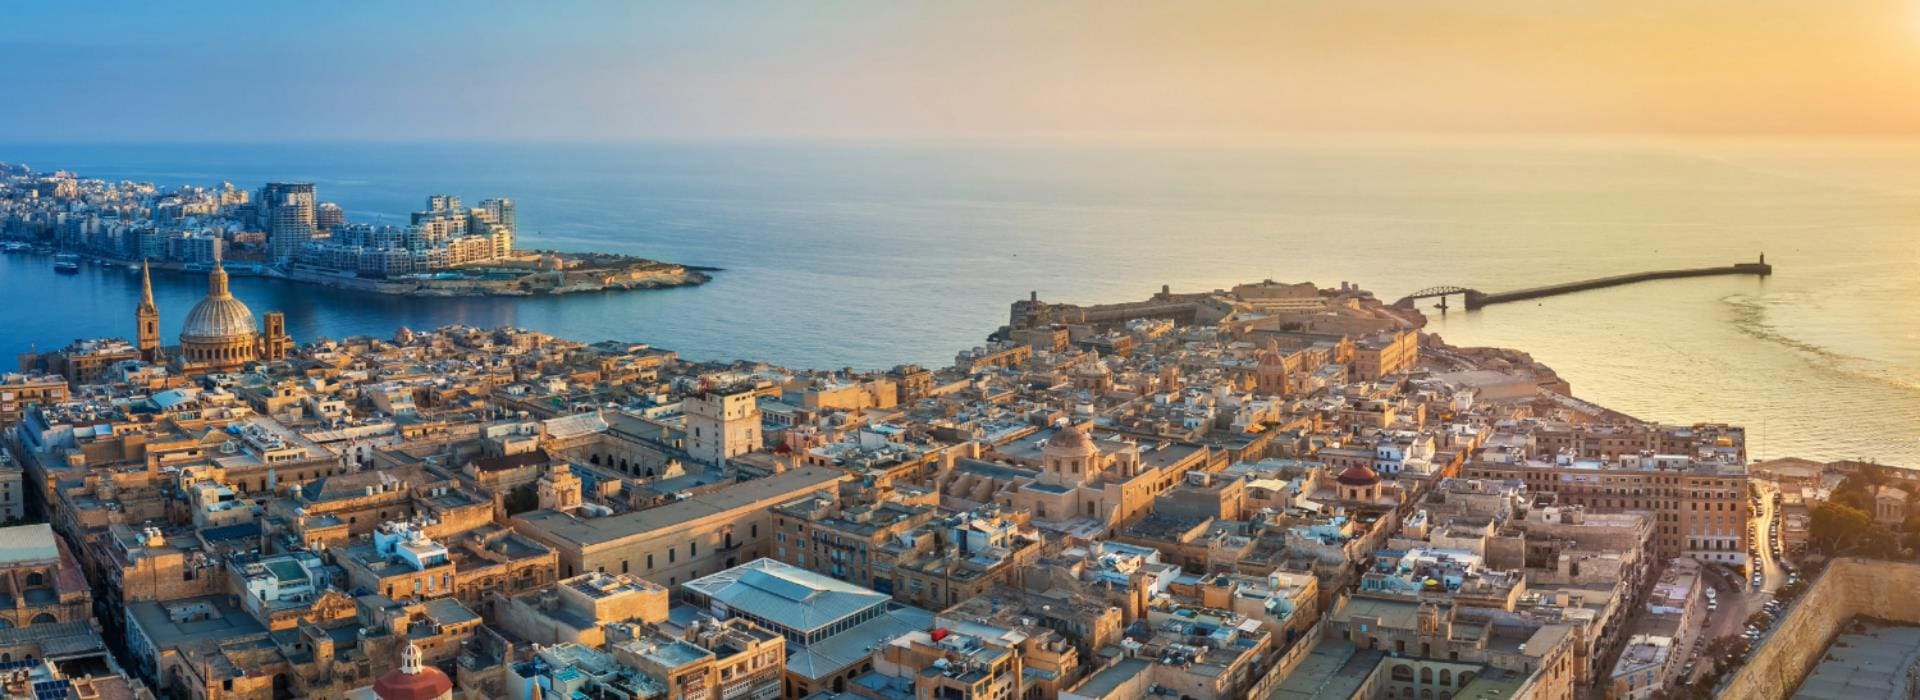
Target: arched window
{"points": [[1403, 673], [35, 579], [1446, 677], [43, 618], [1426, 675]]}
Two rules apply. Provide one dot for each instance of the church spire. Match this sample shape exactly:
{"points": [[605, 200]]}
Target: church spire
{"points": [[146, 286], [147, 317]]}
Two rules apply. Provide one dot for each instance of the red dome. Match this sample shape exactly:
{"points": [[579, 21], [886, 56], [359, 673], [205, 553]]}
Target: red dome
{"points": [[413, 680], [1358, 475], [428, 684]]}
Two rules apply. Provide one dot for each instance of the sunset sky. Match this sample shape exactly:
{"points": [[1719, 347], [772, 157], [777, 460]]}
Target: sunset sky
{"points": [[918, 70]]}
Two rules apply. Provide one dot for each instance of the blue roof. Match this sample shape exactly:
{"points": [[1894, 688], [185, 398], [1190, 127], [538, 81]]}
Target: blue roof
{"points": [[232, 532], [171, 398]]}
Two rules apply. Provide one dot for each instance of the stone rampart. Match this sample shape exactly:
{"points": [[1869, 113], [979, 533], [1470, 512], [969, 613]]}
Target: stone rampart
{"points": [[1849, 587]]}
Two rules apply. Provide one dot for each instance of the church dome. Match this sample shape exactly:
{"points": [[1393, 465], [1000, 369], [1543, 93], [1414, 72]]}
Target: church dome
{"points": [[413, 680], [1070, 439], [1358, 475], [219, 319]]}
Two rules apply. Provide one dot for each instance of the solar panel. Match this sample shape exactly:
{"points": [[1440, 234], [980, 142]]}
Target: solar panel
{"points": [[51, 690]]}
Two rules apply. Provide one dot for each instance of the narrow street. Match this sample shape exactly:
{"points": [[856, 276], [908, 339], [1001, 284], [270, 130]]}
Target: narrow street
{"points": [[1739, 599], [1773, 576]]}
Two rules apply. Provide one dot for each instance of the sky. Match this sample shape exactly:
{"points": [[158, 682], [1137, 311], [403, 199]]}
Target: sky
{"points": [[987, 69]]}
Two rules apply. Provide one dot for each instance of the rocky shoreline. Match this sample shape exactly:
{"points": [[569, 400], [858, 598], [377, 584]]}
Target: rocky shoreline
{"points": [[539, 273]]}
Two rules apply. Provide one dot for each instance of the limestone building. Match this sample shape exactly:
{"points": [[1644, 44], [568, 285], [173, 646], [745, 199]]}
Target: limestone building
{"points": [[220, 333], [679, 541], [722, 424], [1700, 507]]}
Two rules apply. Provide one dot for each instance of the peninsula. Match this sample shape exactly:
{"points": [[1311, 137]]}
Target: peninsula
{"points": [[1269, 491], [285, 232]]}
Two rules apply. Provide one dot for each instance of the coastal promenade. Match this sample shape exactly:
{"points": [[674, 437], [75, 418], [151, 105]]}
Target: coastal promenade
{"points": [[1476, 299]]}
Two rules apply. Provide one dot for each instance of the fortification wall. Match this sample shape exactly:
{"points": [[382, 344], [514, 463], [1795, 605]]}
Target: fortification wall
{"points": [[1849, 587]]}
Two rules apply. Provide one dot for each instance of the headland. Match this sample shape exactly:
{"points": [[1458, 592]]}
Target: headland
{"points": [[283, 231]]}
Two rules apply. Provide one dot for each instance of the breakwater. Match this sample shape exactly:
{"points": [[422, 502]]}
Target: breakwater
{"points": [[1476, 299]]}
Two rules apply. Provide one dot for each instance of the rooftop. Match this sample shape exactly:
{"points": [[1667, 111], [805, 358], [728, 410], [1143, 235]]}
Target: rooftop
{"points": [[587, 532], [786, 595]]}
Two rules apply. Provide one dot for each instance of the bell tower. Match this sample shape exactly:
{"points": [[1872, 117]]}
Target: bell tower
{"points": [[147, 318], [276, 341]]}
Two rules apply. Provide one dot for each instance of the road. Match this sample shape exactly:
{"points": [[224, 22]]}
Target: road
{"points": [[1739, 598], [1772, 575]]}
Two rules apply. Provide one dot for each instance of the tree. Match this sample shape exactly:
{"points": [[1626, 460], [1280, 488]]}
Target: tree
{"points": [[521, 500], [1837, 527], [1857, 490]]}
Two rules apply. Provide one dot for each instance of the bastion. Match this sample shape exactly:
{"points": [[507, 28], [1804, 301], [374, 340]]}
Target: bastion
{"points": [[1849, 587]]}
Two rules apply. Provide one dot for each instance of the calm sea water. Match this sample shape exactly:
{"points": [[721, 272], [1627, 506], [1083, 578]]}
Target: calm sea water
{"points": [[868, 256]]}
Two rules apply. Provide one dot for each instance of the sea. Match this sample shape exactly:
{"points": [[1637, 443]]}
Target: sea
{"points": [[869, 255]]}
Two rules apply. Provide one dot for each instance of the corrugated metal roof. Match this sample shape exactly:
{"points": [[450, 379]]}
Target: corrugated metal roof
{"points": [[787, 595]]}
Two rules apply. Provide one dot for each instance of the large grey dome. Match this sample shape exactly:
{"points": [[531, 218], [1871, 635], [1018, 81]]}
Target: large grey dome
{"points": [[219, 318]]}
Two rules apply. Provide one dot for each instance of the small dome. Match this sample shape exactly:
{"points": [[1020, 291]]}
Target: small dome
{"points": [[413, 680], [1070, 439], [217, 319], [1358, 475]]}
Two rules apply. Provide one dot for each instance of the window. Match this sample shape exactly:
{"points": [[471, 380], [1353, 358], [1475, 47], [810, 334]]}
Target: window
{"points": [[649, 561]]}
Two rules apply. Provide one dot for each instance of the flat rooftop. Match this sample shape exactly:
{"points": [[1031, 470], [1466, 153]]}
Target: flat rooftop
{"points": [[1867, 665], [589, 532], [1335, 669], [176, 622]]}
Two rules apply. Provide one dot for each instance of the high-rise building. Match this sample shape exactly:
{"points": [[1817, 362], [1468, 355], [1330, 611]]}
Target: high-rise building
{"points": [[500, 210], [329, 217], [287, 213]]}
